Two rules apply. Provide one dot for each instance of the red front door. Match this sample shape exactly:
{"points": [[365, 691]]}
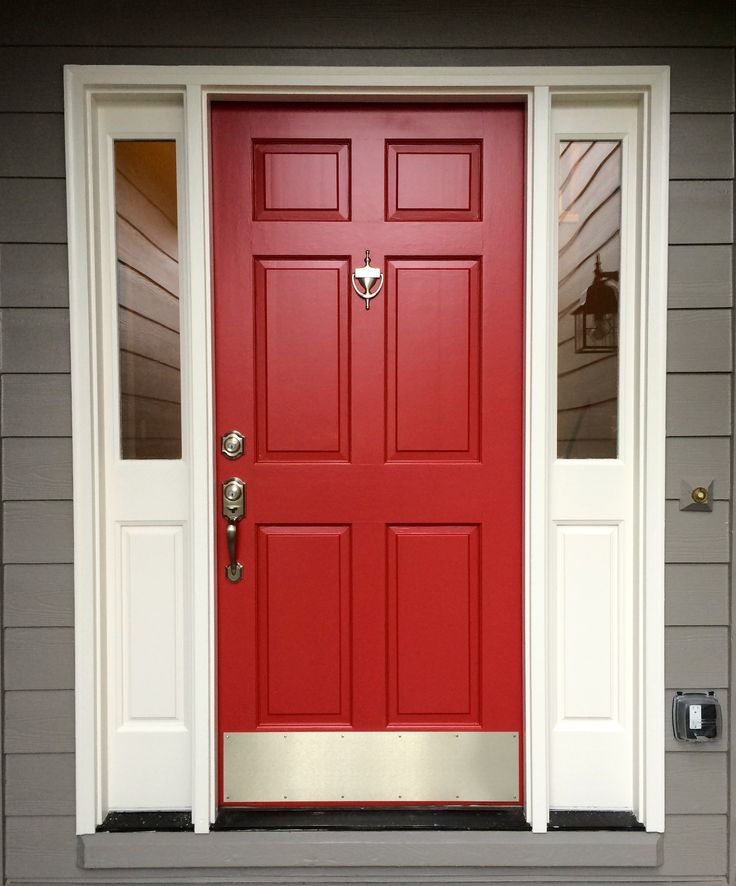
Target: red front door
{"points": [[381, 596]]}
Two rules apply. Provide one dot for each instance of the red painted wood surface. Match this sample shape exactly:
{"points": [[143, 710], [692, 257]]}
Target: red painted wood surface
{"points": [[383, 540]]}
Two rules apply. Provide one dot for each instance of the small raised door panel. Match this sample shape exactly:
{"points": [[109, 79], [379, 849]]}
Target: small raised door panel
{"points": [[433, 181], [301, 181]]}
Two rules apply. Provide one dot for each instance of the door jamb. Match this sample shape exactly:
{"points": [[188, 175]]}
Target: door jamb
{"points": [[198, 85]]}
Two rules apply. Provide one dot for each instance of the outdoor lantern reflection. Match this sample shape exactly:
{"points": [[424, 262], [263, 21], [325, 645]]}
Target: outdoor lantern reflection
{"points": [[596, 317]]}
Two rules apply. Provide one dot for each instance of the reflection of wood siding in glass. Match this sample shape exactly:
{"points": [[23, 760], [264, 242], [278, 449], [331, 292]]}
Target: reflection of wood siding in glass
{"points": [[148, 299], [589, 225]]}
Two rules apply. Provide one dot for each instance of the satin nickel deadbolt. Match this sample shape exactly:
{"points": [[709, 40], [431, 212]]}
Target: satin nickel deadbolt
{"points": [[367, 276], [233, 509], [232, 444]]}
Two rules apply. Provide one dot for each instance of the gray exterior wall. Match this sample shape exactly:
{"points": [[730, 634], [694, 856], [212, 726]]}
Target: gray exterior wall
{"points": [[36, 40]]}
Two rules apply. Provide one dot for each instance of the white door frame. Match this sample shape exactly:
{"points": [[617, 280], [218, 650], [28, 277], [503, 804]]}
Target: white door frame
{"points": [[197, 86]]}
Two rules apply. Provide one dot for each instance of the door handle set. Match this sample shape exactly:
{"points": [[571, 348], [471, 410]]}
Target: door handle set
{"points": [[232, 446], [233, 509]]}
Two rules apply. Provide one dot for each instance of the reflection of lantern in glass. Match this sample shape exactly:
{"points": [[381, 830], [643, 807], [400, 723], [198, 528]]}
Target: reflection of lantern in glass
{"points": [[596, 317]]}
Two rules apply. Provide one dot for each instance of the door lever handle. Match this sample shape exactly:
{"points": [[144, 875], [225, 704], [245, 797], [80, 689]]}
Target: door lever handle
{"points": [[233, 570], [233, 509]]}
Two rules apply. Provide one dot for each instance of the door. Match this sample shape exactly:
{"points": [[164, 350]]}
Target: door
{"points": [[371, 649]]}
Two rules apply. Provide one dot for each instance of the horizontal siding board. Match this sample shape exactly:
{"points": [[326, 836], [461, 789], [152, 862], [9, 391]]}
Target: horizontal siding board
{"points": [[33, 275], [37, 532], [695, 846], [39, 784], [36, 406], [696, 536], [34, 340], [32, 145], [39, 658], [702, 80], [35, 469], [39, 721], [326, 23], [699, 461], [696, 784], [700, 277], [701, 212], [718, 746], [696, 657], [699, 341], [41, 847], [34, 210], [701, 146], [696, 594], [38, 595], [698, 405]]}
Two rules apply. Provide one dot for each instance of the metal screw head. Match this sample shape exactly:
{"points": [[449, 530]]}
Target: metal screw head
{"points": [[232, 444], [699, 495]]}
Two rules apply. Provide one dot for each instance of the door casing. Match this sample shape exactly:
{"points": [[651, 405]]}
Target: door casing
{"points": [[86, 85]]}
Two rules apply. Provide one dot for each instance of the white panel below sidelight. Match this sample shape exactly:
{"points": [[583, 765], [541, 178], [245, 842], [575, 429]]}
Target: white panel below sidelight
{"points": [[590, 645], [149, 742], [152, 623], [587, 654]]}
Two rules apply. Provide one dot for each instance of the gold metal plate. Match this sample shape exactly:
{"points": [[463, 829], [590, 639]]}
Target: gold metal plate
{"points": [[311, 767]]}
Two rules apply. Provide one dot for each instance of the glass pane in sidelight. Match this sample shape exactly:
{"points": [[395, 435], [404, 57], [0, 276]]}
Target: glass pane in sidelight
{"points": [[148, 299], [589, 258]]}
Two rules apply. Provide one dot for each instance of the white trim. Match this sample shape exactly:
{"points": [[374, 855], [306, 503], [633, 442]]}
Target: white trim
{"points": [[82, 83], [201, 496], [538, 441], [653, 374]]}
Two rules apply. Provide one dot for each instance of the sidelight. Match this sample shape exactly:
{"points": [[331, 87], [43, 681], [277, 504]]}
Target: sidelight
{"points": [[147, 265], [588, 264]]}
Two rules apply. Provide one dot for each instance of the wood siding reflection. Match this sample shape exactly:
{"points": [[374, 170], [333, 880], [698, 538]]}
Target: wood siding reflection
{"points": [[589, 214], [148, 299]]}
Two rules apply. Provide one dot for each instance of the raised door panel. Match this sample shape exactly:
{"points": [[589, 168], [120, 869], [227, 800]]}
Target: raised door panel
{"points": [[433, 181], [152, 624], [301, 181], [433, 625], [304, 642], [302, 359], [433, 355]]}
